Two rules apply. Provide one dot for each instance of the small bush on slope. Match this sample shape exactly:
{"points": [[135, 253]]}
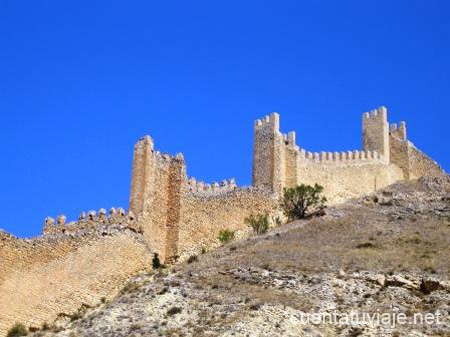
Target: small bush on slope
{"points": [[303, 200]]}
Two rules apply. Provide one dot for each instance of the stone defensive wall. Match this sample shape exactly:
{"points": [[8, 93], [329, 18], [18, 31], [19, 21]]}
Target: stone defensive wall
{"points": [[387, 156], [181, 216], [408, 157], [209, 208], [55, 275], [204, 215], [172, 216], [90, 221], [420, 164]]}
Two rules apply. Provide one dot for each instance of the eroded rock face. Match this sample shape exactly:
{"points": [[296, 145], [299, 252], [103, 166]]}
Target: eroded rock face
{"points": [[253, 301]]}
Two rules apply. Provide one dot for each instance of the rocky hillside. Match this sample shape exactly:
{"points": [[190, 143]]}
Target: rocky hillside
{"points": [[385, 253]]}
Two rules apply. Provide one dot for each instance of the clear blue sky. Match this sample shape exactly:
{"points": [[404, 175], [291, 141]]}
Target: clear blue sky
{"points": [[81, 81]]}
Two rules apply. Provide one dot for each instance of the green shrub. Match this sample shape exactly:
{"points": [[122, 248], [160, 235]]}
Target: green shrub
{"points": [[259, 222], [17, 330], [303, 200], [226, 235]]}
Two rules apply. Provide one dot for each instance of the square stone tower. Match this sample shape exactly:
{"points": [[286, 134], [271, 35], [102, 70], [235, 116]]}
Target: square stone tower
{"points": [[268, 154], [157, 187], [376, 132]]}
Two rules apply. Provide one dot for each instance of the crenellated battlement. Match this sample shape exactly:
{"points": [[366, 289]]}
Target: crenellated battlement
{"points": [[271, 121], [166, 158], [378, 113], [343, 158], [162, 193], [386, 156], [175, 217], [398, 131], [376, 132], [45, 277], [201, 188], [87, 220]]}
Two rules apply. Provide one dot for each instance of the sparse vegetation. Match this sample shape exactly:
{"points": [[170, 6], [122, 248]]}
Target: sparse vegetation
{"points": [[156, 263], [365, 245], [75, 316], [303, 200], [173, 311], [135, 327], [130, 287], [367, 249], [192, 258], [259, 223], [18, 329], [226, 236]]}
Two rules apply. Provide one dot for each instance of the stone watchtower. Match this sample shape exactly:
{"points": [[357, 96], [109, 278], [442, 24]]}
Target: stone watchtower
{"points": [[387, 156], [274, 155], [268, 160], [376, 132], [157, 187]]}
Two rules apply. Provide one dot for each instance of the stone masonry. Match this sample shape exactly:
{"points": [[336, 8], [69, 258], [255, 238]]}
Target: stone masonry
{"points": [[387, 156], [180, 215], [173, 216], [55, 275]]}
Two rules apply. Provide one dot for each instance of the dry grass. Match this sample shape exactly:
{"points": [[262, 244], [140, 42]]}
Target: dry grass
{"points": [[298, 266], [363, 239]]}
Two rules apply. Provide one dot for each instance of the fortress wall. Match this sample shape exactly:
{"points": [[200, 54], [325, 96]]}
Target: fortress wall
{"points": [[387, 157], [200, 188], [154, 216], [155, 198], [263, 151], [342, 174], [204, 216], [404, 154], [376, 132], [142, 170], [398, 131], [421, 165], [292, 158], [341, 158], [178, 213], [78, 263], [90, 221], [176, 191], [52, 275], [399, 155], [279, 161], [342, 182]]}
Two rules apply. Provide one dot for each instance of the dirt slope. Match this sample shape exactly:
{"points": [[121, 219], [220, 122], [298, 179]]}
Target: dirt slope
{"points": [[387, 252]]}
